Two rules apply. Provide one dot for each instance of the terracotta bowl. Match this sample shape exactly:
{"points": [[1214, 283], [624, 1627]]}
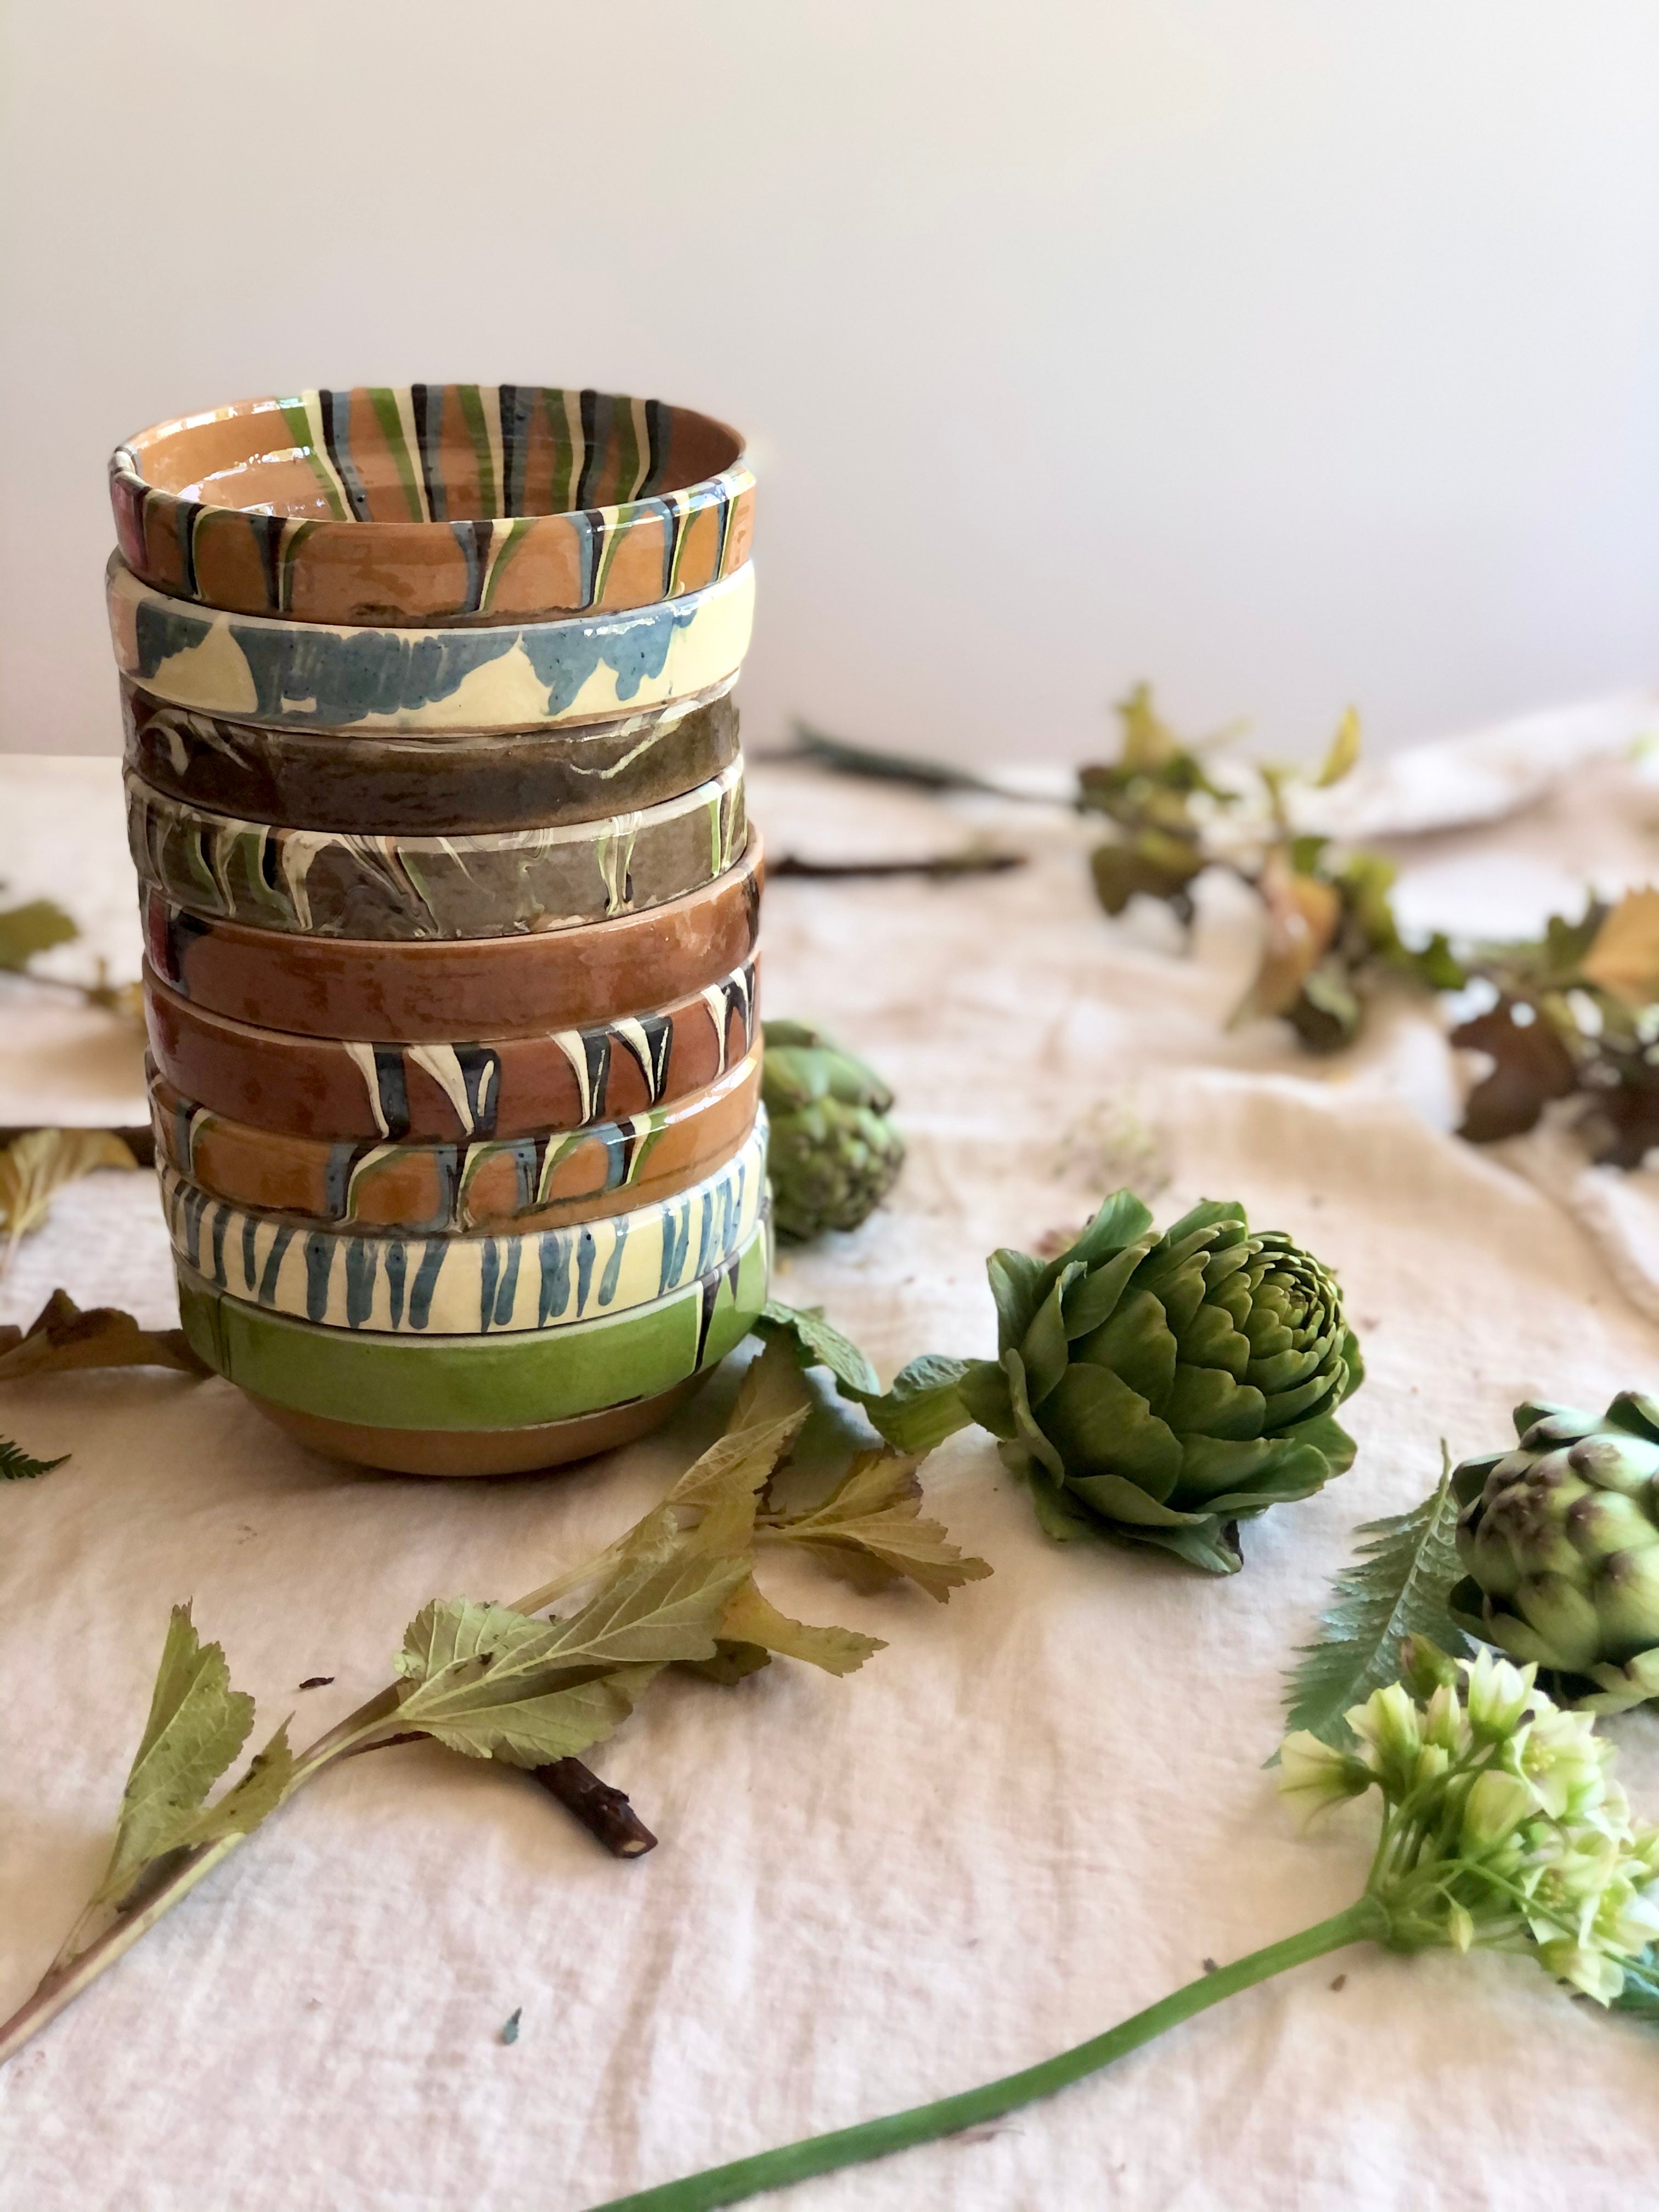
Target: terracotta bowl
{"points": [[514, 1184], [493, 987], [524, 780], [421, 1386], [397, 1283], [506, 676], [434, 503], [471, 883], [494, 1087]]}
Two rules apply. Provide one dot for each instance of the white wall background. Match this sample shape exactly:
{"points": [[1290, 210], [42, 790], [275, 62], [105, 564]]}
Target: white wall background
{"points": [[1286, 352]]}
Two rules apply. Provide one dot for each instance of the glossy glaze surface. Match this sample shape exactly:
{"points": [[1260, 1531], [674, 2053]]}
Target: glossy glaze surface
{"points": [[354, 1088], [312, 779], [493, 1382], [505, 675], [518, 1184], [401, 1284], [487, 883], [353, 988], [434, 503]]}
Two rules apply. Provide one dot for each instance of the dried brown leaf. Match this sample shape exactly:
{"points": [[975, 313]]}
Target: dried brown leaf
{"points": [[1624, 957], [1531, 1067], [61, 1336]]}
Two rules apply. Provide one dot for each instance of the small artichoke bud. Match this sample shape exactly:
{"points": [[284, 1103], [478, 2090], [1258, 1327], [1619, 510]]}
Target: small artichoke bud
{"points": [[1560, 1550], [832, 1152]]}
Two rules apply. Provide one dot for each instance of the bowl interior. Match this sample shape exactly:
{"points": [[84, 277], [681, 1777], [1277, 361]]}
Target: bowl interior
{"points": [[432, 453]]}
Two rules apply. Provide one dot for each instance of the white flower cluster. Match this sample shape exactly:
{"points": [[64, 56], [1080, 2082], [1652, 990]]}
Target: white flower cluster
{"points": [[1503, 1825]]}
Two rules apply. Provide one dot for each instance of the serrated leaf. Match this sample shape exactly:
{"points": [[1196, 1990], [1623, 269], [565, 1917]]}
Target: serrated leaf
{"points": [[31, 928], [773, 1389], [752, 1623], [871, 1533], [16, 1466], [1640, 1996], [492, 1682], [197, 1725], [250, 1801], [822, 1345], [61, 1337], [36, 1165], [1397, 1586]]}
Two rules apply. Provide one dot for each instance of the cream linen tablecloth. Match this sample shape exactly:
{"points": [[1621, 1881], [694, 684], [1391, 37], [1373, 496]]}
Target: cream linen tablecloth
{"points": [[1042, 1807]]}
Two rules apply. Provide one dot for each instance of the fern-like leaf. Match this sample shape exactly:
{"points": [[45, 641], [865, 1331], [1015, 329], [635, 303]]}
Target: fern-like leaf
{"points": [[1396, 1587]]}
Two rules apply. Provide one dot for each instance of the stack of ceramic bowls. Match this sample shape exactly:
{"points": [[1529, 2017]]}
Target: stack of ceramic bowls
{"points": [[437, 802]]}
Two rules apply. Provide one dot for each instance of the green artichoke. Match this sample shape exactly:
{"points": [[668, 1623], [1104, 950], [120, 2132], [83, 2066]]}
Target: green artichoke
{"points": [[833, 1154], [1561, 1540], [1158, 1389]]}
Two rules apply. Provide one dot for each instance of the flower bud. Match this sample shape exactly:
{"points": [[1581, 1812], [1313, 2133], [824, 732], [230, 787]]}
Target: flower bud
{"points": [[1584, 1969], [1498, 1695], [1494, 1810], [1423, 1667], [1391, 1728], [1312, 1776]]}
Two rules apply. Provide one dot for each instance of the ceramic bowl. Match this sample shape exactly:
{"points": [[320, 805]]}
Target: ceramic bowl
{"points": [[397, 1283], [508, 676], [342, 1088], [473, 1393], [515, 1184], [484, 882], [434, 503], [493, 987], [309, 780]]}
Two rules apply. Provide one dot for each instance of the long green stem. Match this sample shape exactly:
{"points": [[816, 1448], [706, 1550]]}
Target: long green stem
{"points": [[776, 2169]]}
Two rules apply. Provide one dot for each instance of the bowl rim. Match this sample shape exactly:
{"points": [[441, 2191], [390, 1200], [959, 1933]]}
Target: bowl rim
{"points": [[734, 477]]}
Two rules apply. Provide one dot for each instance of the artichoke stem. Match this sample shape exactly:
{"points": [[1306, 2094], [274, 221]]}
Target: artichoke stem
{"points": [[1365, 1921]]}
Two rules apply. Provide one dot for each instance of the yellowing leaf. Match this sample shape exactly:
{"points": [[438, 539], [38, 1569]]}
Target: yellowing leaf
{"points": [[35, 1166], [751, 1621], [870, 1531], [1344, 755], [61, 1336], [1302, 914], [1624, 957], [197, 1725]]}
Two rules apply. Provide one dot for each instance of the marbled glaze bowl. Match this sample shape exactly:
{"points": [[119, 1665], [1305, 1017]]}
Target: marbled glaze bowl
{"points": [[434, 503]]}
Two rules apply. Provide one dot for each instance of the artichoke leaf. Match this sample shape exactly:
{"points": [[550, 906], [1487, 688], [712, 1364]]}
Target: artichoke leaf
{"points": [[1327, 1437], [1635, 1411], [1101, 1426], [1138, 1344], [1117, 1498], [1121, 1221], [1289, 1475], [983, 1390], [1286, 1371], [1212, 1340], [1095, 1296], [1287, 1407], [1043, 1350], [1209, 1213], [1202, 1545], [1208, 1400], [1018, 1286], [1025, 1422], [1057, 1513]]}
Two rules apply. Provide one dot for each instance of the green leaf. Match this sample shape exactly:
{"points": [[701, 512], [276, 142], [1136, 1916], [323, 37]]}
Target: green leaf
{"points": [[16, 1466], [1640, 1996], [1019, 1289], [821, 1344], [870, 1530], [1344, 755], [925, 1405], [35, 927], [1397, 1586], [197, 1725]]}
